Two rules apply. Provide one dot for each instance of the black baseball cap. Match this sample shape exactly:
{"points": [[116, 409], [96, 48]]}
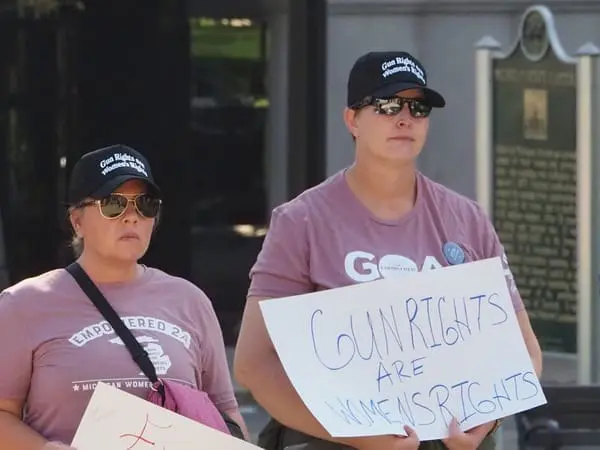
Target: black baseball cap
{"points": [[383, 74], [98, 173]]}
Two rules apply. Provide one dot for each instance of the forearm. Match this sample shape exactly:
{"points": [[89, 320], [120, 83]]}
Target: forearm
{"points": [[531, 341], [15, 435], [537, 361], [272, 389]]}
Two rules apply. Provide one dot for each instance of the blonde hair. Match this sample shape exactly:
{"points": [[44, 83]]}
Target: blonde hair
{"points": [[77, 245], [76, 241]]}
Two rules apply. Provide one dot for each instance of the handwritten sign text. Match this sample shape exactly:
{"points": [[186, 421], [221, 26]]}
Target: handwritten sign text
{"points": [[418, 350]]}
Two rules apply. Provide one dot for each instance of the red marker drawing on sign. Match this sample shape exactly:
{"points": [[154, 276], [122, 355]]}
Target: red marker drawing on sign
{"points": [[140, 438]]}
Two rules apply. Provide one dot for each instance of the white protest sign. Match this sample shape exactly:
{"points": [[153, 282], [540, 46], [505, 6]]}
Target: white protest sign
{"points": [[117, 420], [416, 350]]}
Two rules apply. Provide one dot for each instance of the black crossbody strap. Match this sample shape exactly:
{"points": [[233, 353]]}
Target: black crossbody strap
{"points": [[139, 355]]}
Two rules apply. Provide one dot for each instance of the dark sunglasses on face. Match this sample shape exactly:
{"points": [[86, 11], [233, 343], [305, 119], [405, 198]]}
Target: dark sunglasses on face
{"points": [[114, 205], [392, 106]]}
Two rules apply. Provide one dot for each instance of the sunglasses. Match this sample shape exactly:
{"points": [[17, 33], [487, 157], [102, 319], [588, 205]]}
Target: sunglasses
{"points": [[392, 106], [114, 205]]}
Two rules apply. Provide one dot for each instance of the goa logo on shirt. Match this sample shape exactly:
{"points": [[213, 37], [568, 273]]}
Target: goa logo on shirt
{"points": [[364, 266]]}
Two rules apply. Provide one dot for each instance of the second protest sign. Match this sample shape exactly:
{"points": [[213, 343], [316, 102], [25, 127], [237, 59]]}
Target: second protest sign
{"points": [[415, 350]]}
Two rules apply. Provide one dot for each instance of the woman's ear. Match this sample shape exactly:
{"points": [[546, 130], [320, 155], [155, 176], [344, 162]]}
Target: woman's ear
{"points": [[75, 219], [350, 116]]}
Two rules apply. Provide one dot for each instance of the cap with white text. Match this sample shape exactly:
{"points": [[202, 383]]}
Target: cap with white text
{"points": [[384, 74], [98, 173]]}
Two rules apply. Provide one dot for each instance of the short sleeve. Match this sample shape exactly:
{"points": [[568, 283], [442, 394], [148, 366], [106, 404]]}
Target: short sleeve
{"points": [[282, 266], [16, 350], [494, 248], [216, 376]]}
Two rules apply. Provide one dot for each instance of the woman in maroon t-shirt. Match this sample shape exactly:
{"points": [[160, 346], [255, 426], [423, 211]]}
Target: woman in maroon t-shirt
{"points": [[55, 344], [379, 217]]}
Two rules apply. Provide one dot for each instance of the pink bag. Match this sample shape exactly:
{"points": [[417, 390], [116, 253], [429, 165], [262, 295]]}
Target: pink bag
{"points": [[190, 403]]}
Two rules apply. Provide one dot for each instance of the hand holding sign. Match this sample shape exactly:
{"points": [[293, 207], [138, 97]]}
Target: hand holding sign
{"points": [[417, 350], [459, 439]]}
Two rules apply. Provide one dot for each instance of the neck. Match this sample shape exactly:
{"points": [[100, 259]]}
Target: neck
{"points": [[384, 182], [389, 192], [101, 270]]}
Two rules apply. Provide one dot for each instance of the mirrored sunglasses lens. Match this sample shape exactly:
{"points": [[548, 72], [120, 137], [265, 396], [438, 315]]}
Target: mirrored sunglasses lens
{"points": [[113, 206], [388, 107], [420, 109], [148, 206], [391, 109]]}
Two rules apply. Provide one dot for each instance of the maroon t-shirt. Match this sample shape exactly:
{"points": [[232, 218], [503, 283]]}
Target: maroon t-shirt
{"points": [[56, 346], [325, 238]]}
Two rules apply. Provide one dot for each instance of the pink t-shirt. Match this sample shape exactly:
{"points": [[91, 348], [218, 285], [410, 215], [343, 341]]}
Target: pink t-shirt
{"points": [[56, 346], [325, 238]]}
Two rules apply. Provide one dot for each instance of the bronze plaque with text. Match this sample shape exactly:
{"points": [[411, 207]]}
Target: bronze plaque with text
{"points": [[534, 188]]}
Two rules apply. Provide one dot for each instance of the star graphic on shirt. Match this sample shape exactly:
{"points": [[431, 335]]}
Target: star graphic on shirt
{"points": [[75, 387]]}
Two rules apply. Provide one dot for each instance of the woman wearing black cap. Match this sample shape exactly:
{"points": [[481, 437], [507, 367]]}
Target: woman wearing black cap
{"points": [[378, 218], [55, 344]]}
